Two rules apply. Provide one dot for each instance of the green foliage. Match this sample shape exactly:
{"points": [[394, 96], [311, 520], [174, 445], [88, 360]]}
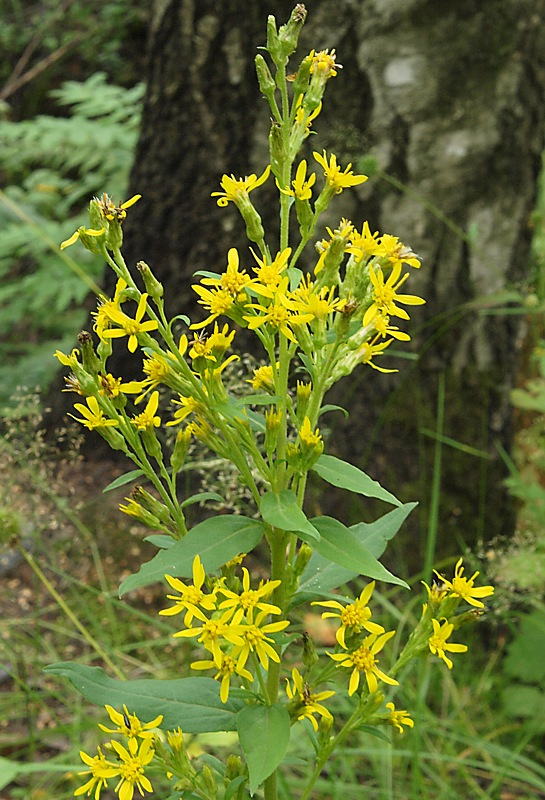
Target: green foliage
{"points": [[525, 665], [50, 164], [49, 37], [193, 703]]}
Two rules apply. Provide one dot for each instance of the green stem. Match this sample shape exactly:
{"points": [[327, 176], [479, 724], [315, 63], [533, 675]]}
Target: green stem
{"points": [[69, 613]]}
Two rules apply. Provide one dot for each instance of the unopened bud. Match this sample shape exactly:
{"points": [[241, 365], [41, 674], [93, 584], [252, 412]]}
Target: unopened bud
{"points": [[267, 84], [154, 288], [310, 657], [288, 35], [89, 358]]}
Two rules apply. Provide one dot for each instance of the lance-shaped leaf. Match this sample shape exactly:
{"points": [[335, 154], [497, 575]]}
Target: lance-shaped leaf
{"points": [[192, 703], [323, 575], [281, 510], [347, 476], [264, 734], [342, 546], [216, 540]]}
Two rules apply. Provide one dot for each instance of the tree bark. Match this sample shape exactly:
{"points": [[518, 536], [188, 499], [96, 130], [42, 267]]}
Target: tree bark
{"points": [[449, 99]]}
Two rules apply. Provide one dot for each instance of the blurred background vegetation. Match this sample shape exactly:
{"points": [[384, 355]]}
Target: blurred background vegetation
{"points": [[73, 89]]}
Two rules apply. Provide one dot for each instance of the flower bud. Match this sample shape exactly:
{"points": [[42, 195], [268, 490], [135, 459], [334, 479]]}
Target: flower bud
{"points": [[91, 363], [310, 657], [181, 447], [93, 240], [288, 35], [266, 81], [302, 79], [301, 562], [276, 149], [154, 288], [150, 503]]}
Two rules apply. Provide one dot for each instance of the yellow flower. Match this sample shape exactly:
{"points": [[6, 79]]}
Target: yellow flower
{"points": [[132, 760], [188, 405], [234, 189], [100, 770], [382, 326], [102, 314], [320, 304], [112, 387], [213, 632], [82, 231], [438, 642], [463, 587], [270, 275], [277, 313], [363, 661], [303, 117], [250, 599], [216, 301], [68, 361], [256, 641], [385, 295], [192, 598], [130, 327], [306, 703], [263, 378], [364, 244], [147, 420], [233, 281], [227, 667], [310, 439], [110, 211], [396, 252], [324, 62], [399, 718], [336, 179], [368, 350], [302, 189], [93, 415], [353, 617], [129, 725]]}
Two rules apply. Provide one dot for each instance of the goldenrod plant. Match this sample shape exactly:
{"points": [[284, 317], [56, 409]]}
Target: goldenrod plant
{"points": [[262, 673]]}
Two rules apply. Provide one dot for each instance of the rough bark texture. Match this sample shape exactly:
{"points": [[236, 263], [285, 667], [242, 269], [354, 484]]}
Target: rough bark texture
{"points": [[449, 97]]}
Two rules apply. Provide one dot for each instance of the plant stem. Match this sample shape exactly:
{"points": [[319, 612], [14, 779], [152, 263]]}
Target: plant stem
{"points": [[28, 557]]}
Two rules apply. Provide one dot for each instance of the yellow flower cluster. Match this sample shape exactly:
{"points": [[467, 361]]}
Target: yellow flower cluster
{"points": [[234, 629], [126, 762]]}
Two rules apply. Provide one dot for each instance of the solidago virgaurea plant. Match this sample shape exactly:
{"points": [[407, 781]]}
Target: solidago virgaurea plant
{"points": [[254, 670]]}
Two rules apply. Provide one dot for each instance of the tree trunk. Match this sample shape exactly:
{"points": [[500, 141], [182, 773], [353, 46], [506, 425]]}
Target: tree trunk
{"points": [[449, 99]]}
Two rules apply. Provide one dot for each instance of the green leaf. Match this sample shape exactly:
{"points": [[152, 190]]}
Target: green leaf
{"points": [[322, 575], [526, 702], [259, 399], [192, 703], [374, 731], [526, 657], [8, 771], [160, 540], [264, 734], [281, 510], [347, 476], [217, 540], [376, 535], [342, 546], [329, 407], [201, 497], [127, 477]]}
